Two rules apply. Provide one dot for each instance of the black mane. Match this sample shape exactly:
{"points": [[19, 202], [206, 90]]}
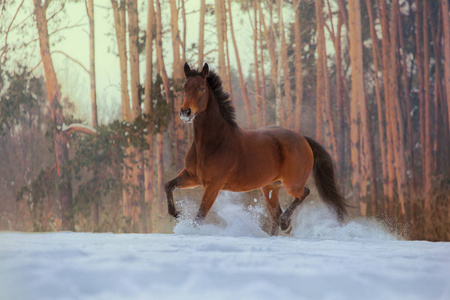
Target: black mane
{"points": [[226, 108]]}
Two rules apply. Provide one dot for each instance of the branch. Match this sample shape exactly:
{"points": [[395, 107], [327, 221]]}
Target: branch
{"points": [[35, 67], [209, 52], [60, 10], [3, 8], [78, 128], [9, 27], [46, 4], [50, 34], [67, 27], [72, 59], [333, 39], [23, 21], [330, 17]]}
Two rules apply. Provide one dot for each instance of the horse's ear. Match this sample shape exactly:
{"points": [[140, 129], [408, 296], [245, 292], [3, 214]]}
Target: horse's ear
{"points": [[187, 69], [205, 70]]}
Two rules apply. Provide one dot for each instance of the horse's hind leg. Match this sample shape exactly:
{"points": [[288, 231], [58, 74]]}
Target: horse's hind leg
{"points": [[271, 192], [285, 219]]}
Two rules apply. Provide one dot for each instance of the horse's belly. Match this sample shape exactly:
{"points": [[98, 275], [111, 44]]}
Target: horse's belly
{"points": [[247, 184], [253, 172]]}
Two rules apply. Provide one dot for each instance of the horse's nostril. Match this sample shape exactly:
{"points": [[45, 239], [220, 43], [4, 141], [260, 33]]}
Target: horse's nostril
{"points": [[188, 112]]}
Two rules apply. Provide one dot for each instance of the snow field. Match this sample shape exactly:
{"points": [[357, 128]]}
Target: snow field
{"points": [[233, 259]]}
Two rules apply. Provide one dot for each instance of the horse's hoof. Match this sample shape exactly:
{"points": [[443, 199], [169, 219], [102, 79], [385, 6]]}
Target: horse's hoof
{"points": [[176, 214], [285, 225], [288, 231]]}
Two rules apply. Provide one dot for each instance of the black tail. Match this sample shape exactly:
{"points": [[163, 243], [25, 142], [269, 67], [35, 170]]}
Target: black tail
{"points": [[325, 179]]}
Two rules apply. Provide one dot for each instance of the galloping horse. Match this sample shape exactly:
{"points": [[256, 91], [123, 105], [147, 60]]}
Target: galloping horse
{"points": [[223, 156]]}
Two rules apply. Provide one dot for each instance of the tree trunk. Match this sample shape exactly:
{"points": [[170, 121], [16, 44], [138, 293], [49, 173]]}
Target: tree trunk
{"points": [[94, 119], [366, 140], [158, 208], [263, 75], [439, 108], [201, 35], [159, 54], [258, 98], [279, 103], [178, 76], [330, 135], [133, 38], [60, 137], [341, 116], [420, 70], [357, 97], [220, 12], [446, 24], [136, 157], [270, 42], [375, 52], [149, 196], [395, 115], [427, 163], [158, 211], [323, 86], [407, 106], [90, 13], [320, 80], [227, 84], [183, 43], [248, 108], [289, 111], [119, 11], [387, 99], [120, 29], [298, 67]]}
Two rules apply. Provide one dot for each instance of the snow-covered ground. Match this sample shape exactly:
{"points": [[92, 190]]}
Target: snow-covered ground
{"points": [[232, 260]]}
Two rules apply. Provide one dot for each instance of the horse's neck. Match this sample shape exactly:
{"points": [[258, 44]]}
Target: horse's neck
{"points": [[210, 128]]}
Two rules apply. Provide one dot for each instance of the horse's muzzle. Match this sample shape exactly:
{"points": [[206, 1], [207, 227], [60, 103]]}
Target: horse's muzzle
{"points": [[186, 115]]}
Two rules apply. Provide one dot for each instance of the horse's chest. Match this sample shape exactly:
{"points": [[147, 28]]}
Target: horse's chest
{"points": [[213, 165]]}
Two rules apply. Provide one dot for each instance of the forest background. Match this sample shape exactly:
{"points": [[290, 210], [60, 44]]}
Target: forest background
{"points": [[89, 126]]}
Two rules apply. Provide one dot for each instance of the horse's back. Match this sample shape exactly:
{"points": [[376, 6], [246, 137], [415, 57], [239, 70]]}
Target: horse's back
{"points": [[288, 140]]}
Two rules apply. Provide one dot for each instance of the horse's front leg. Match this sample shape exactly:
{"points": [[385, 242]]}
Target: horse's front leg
{"points": [[183, 180], [209, 197]]}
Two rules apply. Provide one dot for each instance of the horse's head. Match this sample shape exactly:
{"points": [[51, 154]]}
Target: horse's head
{"points": [[195, 94]]}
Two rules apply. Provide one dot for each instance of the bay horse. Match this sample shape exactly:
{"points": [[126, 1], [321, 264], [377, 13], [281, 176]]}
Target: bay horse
{"points": [[223, 156]]}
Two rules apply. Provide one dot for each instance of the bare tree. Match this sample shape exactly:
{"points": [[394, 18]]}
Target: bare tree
{"points": [[244, 93], [178, 75], [289, 105], [298, 67], [270, 40], [258, 98], [427, 163], [381, 131], [149, 196], [61, 132], [359, 100], [387, 98], [94, 117], [220, 13], [396, 121], [201, 35], [446, 26]]}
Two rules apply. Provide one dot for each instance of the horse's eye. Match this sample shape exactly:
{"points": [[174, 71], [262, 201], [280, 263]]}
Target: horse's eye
{"points": [[202, 89]]}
